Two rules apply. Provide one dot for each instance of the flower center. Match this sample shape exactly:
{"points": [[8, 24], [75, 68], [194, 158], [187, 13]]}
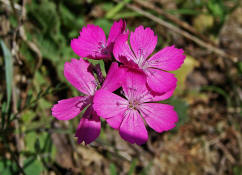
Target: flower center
{"points": [[141, 60], [133, 104], [103, 48]]}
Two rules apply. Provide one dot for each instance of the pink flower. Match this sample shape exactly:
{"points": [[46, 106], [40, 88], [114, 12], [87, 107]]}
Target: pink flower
{"points": [[127, 115], [92, 41], [143, 42], [78, 73]]}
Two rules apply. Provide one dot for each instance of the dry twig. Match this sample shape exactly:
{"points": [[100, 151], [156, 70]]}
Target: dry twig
{"points": [[174, 19]]}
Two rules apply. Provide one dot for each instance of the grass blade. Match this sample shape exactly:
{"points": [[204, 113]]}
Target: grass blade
{"points": [[8, 71], [113, 170], [112, 12], [132, 167]]}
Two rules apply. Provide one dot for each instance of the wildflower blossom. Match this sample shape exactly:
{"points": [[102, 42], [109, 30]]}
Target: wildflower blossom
{"points": [[143, 42], [126, 114], [78, 73], [92, 41]]}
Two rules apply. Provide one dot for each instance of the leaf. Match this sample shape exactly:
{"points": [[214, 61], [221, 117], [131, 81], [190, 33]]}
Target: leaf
{"points": [[104, 24], [47, 146], [237, 170], [3, 113], [27, 116], [33, 166], [13, 21], [239, 65], [30, 139], [220, 91], [189, 64], [111, 13], [126, 15], [203, 22], [102, 66], [45, 13], [7, 167], [216, 7], [8, 71], [37, 146], [132, 167], [181, 107], [66, 15], [107, 6], [113, 170]]}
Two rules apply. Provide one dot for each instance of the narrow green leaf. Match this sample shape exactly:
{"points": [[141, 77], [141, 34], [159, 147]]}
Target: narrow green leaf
{"points": [[240, 67], [219, 91], [126, 15], [8, 71], [132, 167], [146, 169], [113, 170], [111, 13], [4, 111], [37, 146]]}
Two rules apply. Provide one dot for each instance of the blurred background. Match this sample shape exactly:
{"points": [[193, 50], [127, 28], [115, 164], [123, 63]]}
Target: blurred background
{"points": [[35, 40]]}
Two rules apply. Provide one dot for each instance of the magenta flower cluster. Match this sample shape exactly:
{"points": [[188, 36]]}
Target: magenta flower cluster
{"points": [[136, 80]]}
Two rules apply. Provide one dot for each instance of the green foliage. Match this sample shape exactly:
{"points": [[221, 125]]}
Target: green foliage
{"points": [[3, 114], [104, 24], [113, 170], [220, 91], [239, 65], [114, 11], [8, 71], [51, 18], [45, 14], [237, 170], [182, 73], [146, 170], [216, 8], [181, 107], [33, 166], [132, 167], [13, 21], [7, 167]]}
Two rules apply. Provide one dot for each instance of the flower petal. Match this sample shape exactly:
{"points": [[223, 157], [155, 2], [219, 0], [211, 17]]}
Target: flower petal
{"points": [[169, 59], [68, 108], [134, 84], [116, 29], [135, 88], [110, 107], [160, 81], [122, 51], [132, 128], [78, 74], [114, 78], [163, 96], [160, 117], [91, 43], [89, 127], [143, 42]]}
